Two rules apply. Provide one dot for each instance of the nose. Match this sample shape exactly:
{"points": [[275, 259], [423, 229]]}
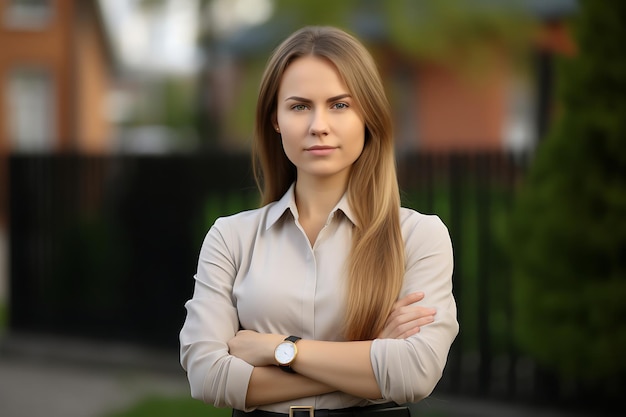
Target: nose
{"points": [[319, 124]]}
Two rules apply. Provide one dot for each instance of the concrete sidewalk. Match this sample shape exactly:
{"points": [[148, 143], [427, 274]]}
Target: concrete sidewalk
{"points": [[32, 389], [68, 378]]}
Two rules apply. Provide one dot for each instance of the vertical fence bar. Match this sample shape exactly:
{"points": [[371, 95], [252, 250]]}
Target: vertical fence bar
{"points": [[454, 175], [483, 189]]}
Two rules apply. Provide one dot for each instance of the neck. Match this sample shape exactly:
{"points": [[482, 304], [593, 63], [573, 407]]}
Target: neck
{"points": [[316, 197]]}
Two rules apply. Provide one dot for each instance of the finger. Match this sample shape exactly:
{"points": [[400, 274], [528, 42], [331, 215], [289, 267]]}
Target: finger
{"points": [[410, 332], [425, 320], [406, 331], [411, 327], [420, 320], [409, 299], [409, 313]]}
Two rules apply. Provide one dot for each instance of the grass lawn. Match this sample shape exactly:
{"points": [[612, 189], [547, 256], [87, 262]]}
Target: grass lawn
{"points": [[171, 407]]}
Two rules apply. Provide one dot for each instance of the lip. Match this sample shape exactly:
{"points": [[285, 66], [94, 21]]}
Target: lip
{"points": [[320, 150]]}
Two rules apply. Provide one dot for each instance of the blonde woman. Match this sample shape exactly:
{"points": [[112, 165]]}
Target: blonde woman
{"points": [[329, 299]]}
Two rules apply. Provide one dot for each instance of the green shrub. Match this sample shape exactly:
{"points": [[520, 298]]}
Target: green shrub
{"points": [[567, 238]]}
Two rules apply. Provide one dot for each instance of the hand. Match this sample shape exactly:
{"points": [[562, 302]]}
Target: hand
{"points": [[406, 318], [255, 348]]}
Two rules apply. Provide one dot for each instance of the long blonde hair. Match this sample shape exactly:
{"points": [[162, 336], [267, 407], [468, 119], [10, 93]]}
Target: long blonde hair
{"points": [[376, 264]]}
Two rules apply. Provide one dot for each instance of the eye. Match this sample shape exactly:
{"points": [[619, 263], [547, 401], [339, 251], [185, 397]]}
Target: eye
{"points": [[299, 107], [340, 106]]}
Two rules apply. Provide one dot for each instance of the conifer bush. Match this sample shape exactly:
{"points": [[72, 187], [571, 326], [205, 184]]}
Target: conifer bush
{"points": [[567, 236]]}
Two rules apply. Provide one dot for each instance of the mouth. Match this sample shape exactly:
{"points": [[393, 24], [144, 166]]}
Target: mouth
{"points": [[319, 147], [320, 150]]}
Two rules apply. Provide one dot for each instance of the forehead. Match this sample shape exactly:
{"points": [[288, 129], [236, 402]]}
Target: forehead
{"points": [[312, 75]]}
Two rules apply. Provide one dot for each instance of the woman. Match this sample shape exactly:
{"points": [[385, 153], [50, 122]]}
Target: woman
{"points": [[360, 287]]}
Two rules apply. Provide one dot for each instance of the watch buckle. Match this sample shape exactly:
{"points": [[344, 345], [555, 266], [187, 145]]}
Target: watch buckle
{"points": [[302, 408]]}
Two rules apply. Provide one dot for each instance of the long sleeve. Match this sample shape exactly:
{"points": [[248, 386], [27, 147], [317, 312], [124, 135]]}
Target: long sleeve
{"points": [[408, 370], [215, 377]]}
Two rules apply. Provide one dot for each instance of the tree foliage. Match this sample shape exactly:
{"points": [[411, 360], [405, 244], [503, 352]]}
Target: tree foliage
{"points": [[430, 30], [568, 231], [439, 31]]}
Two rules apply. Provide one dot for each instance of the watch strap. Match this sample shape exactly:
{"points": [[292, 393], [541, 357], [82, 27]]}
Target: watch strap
{"points": [[293, 339]]}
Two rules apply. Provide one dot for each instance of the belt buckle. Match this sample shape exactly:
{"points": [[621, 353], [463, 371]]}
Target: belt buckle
{"points": [[302, 408]]}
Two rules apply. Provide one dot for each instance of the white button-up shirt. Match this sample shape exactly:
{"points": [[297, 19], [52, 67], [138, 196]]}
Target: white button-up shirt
{"points": [[258, 271]]}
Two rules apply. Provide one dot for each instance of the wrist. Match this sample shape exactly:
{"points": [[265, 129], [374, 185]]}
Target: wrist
{"points": [[273, 343]]}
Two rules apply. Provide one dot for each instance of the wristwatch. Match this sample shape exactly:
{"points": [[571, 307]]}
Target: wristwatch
{"points": [[285, 353]]}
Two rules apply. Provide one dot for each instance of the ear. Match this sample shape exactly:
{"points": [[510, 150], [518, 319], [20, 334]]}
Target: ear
{"points": [[275, 122]]}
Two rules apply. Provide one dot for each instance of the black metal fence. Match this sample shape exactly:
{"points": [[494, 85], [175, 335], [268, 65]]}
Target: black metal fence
{"points": [[106, 247]]}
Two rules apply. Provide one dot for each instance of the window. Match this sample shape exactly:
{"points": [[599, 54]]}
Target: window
{"points": [[30, 105], [520, 127], [27, 14]]}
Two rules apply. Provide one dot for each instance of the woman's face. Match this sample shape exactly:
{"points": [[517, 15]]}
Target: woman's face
{"points": [[322, 128]]}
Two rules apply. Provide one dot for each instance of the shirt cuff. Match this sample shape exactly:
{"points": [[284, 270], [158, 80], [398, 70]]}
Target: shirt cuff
{"points": [[239, 374]]}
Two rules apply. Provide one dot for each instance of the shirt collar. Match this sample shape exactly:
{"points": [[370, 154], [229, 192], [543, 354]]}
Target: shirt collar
{"points": [[288, 202], [278, 208], [344, 206]]}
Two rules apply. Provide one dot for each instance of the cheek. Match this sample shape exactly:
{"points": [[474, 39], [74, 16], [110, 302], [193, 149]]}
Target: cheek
{"points": [[358, 137], [284, 118], [289, 147], [290, 134]]}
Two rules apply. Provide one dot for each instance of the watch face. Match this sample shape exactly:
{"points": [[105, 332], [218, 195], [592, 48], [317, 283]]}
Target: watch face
{"points": [[285, 353]]}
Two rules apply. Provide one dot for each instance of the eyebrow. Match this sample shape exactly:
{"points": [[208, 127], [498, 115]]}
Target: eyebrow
{"points": [[329, 100]]}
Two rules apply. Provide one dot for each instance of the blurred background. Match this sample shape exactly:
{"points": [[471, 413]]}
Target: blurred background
{"points": [[125, 130]]}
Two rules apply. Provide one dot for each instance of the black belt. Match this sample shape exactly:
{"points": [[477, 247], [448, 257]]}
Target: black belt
{"points": [[377, 410]]}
